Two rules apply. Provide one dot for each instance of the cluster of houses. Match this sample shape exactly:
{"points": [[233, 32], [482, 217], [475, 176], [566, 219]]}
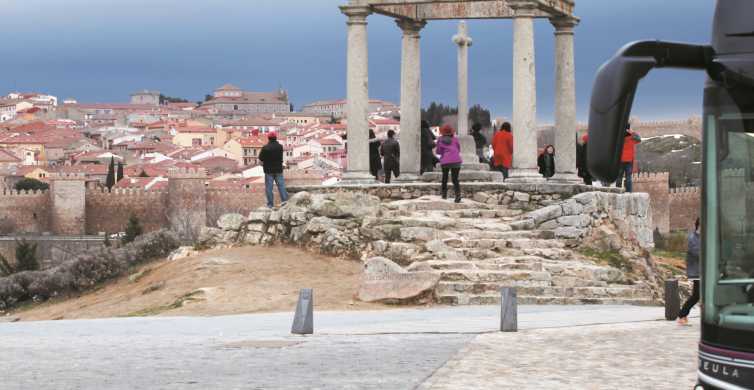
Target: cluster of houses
{"points": [[151, 134]]}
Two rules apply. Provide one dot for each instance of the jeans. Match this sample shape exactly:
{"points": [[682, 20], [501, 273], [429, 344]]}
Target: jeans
{"points": [[454, 172], [276, 178], [693, 300], [626, 169]]}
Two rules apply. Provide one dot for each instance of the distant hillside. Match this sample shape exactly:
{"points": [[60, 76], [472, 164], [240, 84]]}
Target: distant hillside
{"points": [[681, 155]]}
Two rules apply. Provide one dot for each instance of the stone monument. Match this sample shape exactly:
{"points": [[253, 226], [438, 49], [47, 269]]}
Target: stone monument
{"points": [[412, 16]]}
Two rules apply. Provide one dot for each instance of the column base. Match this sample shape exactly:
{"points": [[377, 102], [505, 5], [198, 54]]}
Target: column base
{"points": [[522, 175], [566, 178], [358, 177], [407, 178]]}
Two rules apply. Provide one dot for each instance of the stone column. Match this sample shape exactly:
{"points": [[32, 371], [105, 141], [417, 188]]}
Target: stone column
{"points": [[411, 97], [357, 95], [565, 101], [464, 41], [524, 96], [468, 146]]}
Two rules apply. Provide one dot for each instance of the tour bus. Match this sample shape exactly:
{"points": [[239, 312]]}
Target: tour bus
{"points": [[726, 350]]}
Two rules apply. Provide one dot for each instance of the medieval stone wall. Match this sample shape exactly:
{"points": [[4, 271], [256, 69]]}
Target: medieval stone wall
{"points": [[221, 201], [684, 207], [68, 198], [109, 211], [657, 185], [51, 251], [25, 212]]}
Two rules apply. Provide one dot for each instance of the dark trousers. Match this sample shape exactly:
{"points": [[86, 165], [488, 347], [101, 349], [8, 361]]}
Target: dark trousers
{"points": [[388, 173], [454, 172], [693, 300], [627, 170], [505, 171]]}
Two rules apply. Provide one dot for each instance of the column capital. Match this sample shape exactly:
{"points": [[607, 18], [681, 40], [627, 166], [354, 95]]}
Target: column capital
{"points": [[564, 25], [357, 14], [523, 8], [411, 27]]}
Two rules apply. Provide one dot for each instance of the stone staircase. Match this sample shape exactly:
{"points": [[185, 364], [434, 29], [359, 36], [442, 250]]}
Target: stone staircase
{"points": [[476, 251]]}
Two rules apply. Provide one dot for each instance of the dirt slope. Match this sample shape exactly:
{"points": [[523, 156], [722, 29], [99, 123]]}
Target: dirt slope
{"points": [[228, 281]]}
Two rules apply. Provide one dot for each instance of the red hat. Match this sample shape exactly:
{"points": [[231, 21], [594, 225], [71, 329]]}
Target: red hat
{"points": [[272, 134], [585, 138], [447, 130]]}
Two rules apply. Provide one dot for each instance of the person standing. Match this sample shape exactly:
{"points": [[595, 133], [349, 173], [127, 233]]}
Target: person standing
{"points": [[449, 150], [546, 162], [391, 151], [627, 157], [479, 141], [375, 162], [502, 145], [271, 157], [427, 146], [582, 161], [692, 271]]}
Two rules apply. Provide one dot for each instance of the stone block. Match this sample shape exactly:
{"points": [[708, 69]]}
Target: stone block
{"points": [[521, 197], [411, 234], [386, 281], [546, 214], [569, 232], [260, 215], [232, 222], [575, 220], [572, 207], [481, 197], [524, 224]]}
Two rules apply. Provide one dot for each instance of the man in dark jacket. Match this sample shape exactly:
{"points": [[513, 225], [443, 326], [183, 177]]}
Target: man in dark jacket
{"points": [[428, 158], [391, 151], [479, 141], [271, 157]]}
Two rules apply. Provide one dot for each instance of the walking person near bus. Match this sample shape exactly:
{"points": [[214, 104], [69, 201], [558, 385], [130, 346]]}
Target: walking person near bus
{"points": [[692, 271], [271, 157]]}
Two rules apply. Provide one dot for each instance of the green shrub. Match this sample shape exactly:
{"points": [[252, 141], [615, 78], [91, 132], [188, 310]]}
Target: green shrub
{"points": [[133, 230], [26, 257], [5, 267], [31, 185]]}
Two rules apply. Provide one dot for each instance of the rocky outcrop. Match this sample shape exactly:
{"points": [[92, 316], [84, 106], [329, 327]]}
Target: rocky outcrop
{"points": [[85, 271], [464, 253]]}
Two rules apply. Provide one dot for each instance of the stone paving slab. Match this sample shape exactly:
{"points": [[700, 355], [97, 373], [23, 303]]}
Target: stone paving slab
{"points": [[393, 349], [648, 355]]}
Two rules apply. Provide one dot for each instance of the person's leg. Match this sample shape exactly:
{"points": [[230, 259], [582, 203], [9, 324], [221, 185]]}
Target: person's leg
{"points": [[444, 185], [281, 188], [629, 168], [455, 172], [506, 173], [693, 300], [619, 180], [387, 175], [268, 179]]}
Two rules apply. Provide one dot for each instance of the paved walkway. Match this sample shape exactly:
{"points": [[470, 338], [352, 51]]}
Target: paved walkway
{"points": [[444, 348]]}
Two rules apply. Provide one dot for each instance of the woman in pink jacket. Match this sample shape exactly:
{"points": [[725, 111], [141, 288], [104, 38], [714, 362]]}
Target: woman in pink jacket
{"points": [[449, 150]]}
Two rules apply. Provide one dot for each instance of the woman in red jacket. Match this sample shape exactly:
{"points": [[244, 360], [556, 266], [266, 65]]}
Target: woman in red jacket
{"points": [[502, 145]]}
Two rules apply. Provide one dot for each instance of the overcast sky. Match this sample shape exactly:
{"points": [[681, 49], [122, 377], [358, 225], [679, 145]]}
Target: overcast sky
{"points": [[102, 50]]}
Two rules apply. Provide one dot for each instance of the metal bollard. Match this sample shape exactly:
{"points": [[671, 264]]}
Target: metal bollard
{"points": [[508, 310], [672, 300], [303, 321]]}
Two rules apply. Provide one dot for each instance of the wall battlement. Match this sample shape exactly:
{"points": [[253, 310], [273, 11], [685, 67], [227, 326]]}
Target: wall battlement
{"points": [[187, 173], [651, 176], [124, 192], [685, 191], [14, 193], [68, 176]]}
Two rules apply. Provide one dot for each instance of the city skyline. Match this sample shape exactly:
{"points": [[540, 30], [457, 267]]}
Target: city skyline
{"points": [[114, 48]]}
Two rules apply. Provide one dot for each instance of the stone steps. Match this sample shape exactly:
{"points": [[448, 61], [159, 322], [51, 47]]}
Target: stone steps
{"points": [[539, 278], [477, 288], [505, 235], [494, 299]]}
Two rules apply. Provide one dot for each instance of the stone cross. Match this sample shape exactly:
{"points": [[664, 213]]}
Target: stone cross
{"points": [[464, 41]]}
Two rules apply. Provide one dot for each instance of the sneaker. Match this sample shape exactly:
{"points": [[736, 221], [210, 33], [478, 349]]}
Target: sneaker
{"points": [[683, 321]]}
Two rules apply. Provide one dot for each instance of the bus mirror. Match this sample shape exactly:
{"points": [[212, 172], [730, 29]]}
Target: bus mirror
{"points": [[613, 96]]}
